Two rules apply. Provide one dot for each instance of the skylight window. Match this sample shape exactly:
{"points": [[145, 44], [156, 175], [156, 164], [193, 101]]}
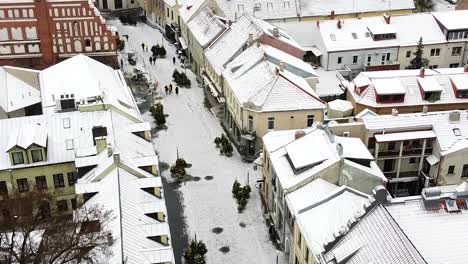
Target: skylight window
{"points": [[332, 36], [286, 4], [354, 35], [456, 132], [258, 7], [240, 8], [270, 5], [66, 122]]}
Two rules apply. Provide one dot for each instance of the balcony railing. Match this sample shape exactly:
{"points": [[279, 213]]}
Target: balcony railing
{"points": [[407, 152]]}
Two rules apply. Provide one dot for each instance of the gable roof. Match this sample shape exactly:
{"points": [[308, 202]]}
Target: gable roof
{"points": [[19, 88], [205, 26]]}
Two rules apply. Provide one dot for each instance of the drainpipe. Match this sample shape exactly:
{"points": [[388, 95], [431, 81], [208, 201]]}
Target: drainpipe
{"points": [[438, 170]]}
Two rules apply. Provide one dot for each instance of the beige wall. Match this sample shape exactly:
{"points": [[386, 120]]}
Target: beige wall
{"points": [[457, 159], [354, 15], [442, 61], [299, 251]]}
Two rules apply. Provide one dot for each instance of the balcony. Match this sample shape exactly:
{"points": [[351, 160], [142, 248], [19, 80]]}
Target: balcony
{"points": [[405, 153], [403, 174]]}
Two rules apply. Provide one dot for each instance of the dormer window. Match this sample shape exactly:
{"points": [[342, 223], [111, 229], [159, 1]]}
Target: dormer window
{"points": [[382, 31], [17, 158], [460, 85], [36, 155], [430, 88], [389, 90]]}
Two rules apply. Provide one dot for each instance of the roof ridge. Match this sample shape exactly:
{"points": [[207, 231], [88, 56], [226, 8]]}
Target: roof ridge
{"points": [[304, 91]]}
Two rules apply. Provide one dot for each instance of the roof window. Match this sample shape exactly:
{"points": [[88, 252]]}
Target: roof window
{"points": [[354, 35], [456, 132], [332, 36]]}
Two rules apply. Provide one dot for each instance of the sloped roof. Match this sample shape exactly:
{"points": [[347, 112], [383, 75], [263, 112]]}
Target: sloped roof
{"points": [[452, 19], [407, 81], [256, 84], [309, 194], [19, 88], [376, 238], [120, 191], [325, 220], [205, 26], [26, 135]]}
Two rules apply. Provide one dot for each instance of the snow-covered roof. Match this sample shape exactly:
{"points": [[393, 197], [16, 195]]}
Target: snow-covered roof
{"points": [[19, 88], [450, 135], [253, 78], [340, 105], [298, 160], [376, 238], [356, 34], [365, 113], [231, 42], [438, 235], [402, 136], [452, 20], [322, 221], [205, 26], [273, 9], [86, 79], [309, 194], [26, 135], [190, 8], [408, 82], [122, 192]]}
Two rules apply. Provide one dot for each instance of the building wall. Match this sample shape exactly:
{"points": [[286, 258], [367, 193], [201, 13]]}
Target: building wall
{"points": [[40, 34], [65, 193], [355, 15], [457, 159], [299, 249], [331, 61], [442, 61], [156, 12], [119, 4]]}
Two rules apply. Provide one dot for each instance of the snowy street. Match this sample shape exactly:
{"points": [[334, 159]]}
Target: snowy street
{"points": [[209, 210]]}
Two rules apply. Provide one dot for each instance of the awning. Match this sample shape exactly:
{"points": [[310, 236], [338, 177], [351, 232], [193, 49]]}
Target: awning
{"points": [[213, 90], [403, 179], [316, 51], [432, 159], [401, 136], [183, 43], [248, 137], [259, 161]]}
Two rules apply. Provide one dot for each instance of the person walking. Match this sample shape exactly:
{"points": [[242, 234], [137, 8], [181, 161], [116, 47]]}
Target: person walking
{"points": [[176, 90], [173, 60], [170, 89], [143, 46], [151, 60], [166, 89], [121, 63]]}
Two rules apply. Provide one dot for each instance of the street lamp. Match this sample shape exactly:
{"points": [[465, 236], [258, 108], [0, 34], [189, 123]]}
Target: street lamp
{"points": [[277, 256]]}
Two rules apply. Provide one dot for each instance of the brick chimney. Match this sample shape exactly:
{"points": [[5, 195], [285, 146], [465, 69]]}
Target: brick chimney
{"points": [[282, 65], [332, 15], [229, 23], [299, 134], [276, 32], [338, 24], [421, 72], [387, 17], [250, 40]]}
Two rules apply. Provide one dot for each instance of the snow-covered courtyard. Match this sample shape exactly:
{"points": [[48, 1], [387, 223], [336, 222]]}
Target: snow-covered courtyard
{"points": [[209, 210]]}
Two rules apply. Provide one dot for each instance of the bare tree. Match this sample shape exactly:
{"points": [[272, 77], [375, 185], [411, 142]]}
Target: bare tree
{"points": [[32, 232]]}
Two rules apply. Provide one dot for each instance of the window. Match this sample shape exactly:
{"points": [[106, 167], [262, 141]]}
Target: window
{"points": [[167, 9], [36, 155], [62, 205], [388, 56], [73, 203], [66, 122], [435, 52], [451, 169], [408, 54], [23, 185], [71, 178], [271, 123], [456, 51], [3, 188], [286, 4], [383, 59], [456, 132], [41, 183], [465, 171], [340, 60], [355, 59], [454, 65], [58, 181], [257, 7], [240, 8], [69, 144], [369, 60], [306, 255], [391, 146], [413, 160], [354, 35], [270, 5], [433, 66], [250, 125], [17, 158], [332, 37], [310, 120], [87, 43]]}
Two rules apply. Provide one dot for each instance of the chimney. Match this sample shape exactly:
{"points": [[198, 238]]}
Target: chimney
{"points": [[339, 150], [277, 71], [380, 194], [394, 112], [465, 68], [250, 40], [229, 23], [299, 134], [387, 17], [425, 109], [338, 24], [117, 158], [332, 15], [282, 65], [318, 24], [421, 72], [101, 144], [276, 32], [110, 151], [454, 116]]}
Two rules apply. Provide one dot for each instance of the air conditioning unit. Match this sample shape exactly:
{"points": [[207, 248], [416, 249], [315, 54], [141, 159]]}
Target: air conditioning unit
{"points": [[346, 134], [66, 102]]}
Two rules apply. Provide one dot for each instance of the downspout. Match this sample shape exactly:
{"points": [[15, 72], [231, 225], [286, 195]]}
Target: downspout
{"points": [[438, 170]]}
